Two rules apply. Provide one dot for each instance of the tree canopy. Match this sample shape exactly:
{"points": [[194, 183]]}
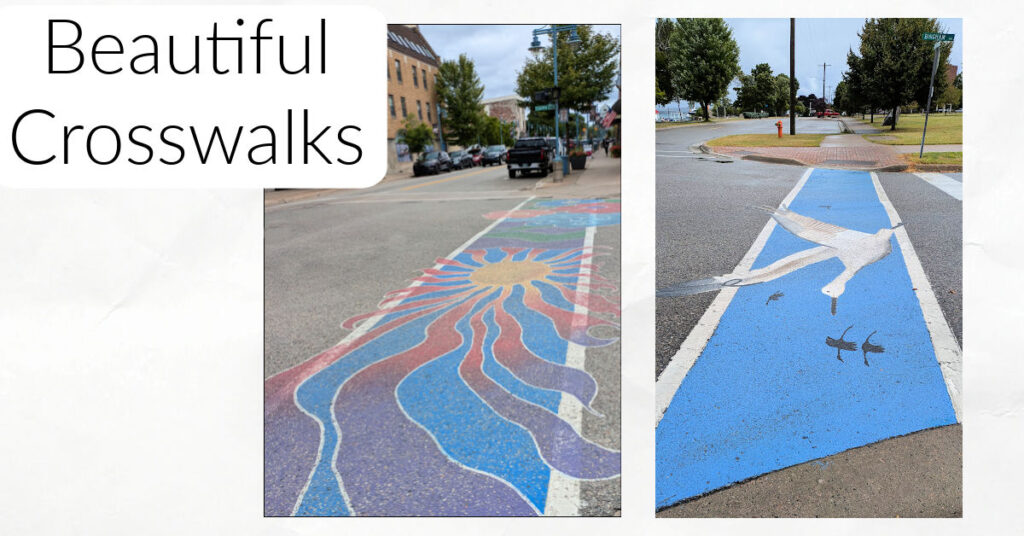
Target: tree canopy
{"points": [[894, 66], [663, 92], [459, 89], [703, 60], [757, 89], [586, 71]]}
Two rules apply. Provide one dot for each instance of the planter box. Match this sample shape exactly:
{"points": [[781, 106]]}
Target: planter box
{"points": [[578, 162]]}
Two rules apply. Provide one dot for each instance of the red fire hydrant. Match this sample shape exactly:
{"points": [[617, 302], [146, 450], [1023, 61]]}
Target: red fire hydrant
{"points": [[779, 124]]}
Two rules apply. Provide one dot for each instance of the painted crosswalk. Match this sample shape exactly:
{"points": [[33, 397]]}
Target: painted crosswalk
{"points": [[784, 369]]}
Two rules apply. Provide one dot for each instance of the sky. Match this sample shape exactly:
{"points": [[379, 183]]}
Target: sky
{"points": [[817, 41], [498, 51]]}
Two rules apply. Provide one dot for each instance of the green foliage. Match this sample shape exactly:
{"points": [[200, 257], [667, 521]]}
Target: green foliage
{"points": [[664, 92], [586, 72], [952, 96], [758, 89], [493, 132], [543, 123], [895, 65], [703, 60], [416, 134], [780, 100], [842, 102], [459, 89]]}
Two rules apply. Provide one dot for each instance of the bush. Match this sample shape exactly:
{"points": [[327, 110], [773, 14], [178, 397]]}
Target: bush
{"points": [[616, 151], [577, 152]]}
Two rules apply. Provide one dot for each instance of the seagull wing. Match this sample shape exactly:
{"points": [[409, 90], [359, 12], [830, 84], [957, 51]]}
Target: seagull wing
{"points": [[814, 230]]}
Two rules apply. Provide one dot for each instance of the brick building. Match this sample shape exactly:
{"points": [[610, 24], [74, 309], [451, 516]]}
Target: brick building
{"points": [[412, 75], [507, 109]]}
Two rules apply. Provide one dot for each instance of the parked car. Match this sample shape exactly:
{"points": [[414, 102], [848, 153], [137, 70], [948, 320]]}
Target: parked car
{"points": [[494, 154], [477, 154], [461, 160], [531, 155], [432, 163], [828, 112]]}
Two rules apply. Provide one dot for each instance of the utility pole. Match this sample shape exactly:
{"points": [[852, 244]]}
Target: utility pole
{"points": [[824, 96], [792, 77]]}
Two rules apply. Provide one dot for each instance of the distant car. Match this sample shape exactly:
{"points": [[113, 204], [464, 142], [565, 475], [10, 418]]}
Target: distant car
{"points": [[461, 160], [494, 154], [828, 113], [432, 163]]}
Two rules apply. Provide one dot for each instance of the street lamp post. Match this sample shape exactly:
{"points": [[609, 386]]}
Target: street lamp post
{"points": [[440, 128], [535, 46]]}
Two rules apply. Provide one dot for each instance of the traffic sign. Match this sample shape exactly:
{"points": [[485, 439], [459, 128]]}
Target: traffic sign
{"points": [[937, 37], [543, 107]]}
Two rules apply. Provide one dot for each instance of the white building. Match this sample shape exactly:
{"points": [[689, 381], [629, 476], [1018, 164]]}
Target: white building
{"points": [[507, 109]]}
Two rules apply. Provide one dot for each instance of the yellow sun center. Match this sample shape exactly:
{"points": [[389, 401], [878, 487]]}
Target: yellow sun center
{"points": [[507, 273]]}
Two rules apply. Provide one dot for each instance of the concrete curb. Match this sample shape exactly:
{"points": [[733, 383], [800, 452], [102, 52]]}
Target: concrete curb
{"points": [[707, 150], [775, 160], [894, 168], [939, 168]]}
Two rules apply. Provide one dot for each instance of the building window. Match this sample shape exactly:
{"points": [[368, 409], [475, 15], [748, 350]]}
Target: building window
{"points": [[424, 71], [415, 79], [389, 73], [391, 104], [419, 110], [404, 112], [398, 71], [429, 120]]}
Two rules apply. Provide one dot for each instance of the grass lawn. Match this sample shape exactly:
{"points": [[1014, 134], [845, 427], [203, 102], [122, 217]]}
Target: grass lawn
{"points": [[768, 140], [936, 158], [942, 129]]}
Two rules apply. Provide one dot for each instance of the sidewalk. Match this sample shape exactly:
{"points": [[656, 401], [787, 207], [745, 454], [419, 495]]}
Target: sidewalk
{"points": [[842, 151], [600, 178]]}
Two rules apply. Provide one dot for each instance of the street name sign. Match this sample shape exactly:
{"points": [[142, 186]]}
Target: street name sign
{"points": [[544, 107], [937, 37]]}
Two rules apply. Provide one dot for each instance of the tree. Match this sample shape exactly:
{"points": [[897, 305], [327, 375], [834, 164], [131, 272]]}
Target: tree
{"points": [[459, 89], [586, 73], [758, 90], [663, 92], [494, 132], [416, 134], [895, 64], [703, 60], [841, 101], [855, 82], [780, 99]]}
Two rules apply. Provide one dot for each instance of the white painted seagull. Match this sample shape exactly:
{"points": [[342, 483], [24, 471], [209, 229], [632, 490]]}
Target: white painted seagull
{"points": [[854, 249]]}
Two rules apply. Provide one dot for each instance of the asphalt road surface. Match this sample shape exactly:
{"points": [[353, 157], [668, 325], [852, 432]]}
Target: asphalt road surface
{"points": [[707, 221], [480, 423]]}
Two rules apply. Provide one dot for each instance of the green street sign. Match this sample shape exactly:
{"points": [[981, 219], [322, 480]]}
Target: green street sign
{"points": [[937, 37], [544, 107]]}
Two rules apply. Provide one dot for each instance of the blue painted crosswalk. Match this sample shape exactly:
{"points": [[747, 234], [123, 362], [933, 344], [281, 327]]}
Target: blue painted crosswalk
{"points": [[783, 380]]}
